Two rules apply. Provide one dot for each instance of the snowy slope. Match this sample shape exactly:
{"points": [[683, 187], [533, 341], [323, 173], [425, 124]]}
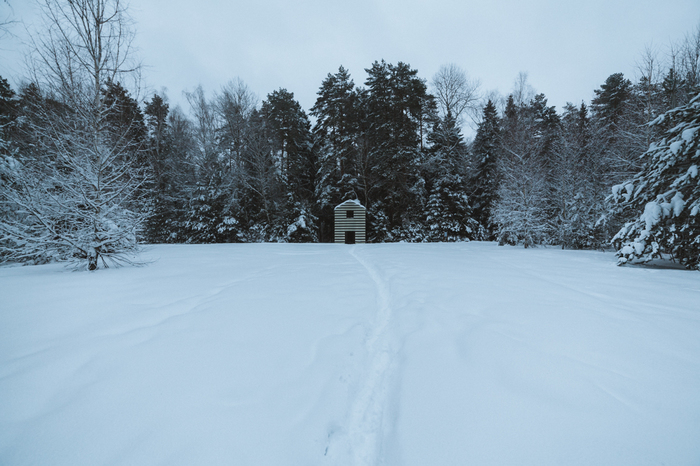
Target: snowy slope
{"points": [[396, 354]]}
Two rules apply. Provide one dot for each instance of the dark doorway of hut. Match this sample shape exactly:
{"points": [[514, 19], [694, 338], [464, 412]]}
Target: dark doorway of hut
{"points": [[349, 237]]}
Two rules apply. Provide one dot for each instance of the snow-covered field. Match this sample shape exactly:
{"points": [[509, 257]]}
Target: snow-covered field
{"points": [[396, 354]]}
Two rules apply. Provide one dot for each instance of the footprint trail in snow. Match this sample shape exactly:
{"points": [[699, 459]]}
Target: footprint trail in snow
{"points": [[369, 418]]}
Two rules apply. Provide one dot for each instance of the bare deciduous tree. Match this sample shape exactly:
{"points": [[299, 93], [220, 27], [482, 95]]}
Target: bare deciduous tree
{"points": [[6, 22], [234, 105], [455, 92], [523, 92], [690, 58], [205, 124]]}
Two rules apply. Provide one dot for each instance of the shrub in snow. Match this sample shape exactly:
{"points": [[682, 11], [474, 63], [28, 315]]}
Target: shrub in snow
{"points": [[521, 208], [302, 229], [666, 194], [449, 215]]}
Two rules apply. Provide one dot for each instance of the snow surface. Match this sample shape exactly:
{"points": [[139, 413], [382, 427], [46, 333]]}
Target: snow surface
{"points": [[395, 354]]}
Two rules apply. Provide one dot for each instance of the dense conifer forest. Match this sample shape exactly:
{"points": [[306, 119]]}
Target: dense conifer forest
{"points": [[87, 172]]}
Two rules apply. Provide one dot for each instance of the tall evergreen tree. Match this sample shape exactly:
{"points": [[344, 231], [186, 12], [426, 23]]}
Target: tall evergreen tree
{"points": [[485, 152], [8, 107], [180, 176], [618, 128], [125, 117], [171, 171], [336, 134], [671, 88], [156, 116], [577, 190], [394, 109], [544, 123], [448, 209], [8, 163], [610, 101], [290, 130]]}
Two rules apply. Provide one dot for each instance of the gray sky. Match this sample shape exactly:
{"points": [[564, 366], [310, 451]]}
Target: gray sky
{"points": [[567, 48]]}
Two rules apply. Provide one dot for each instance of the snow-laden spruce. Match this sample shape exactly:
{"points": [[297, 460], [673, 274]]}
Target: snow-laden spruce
{"points": [[665, 194]]}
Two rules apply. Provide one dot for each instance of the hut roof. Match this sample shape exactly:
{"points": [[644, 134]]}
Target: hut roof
{"points": [[353, 202]]}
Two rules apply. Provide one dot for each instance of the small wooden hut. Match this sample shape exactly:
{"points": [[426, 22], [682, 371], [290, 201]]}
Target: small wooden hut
{"points": [[350, 222]]}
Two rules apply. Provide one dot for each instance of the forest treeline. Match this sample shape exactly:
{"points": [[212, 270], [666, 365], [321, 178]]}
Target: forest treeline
{"points": [[88, 172]]}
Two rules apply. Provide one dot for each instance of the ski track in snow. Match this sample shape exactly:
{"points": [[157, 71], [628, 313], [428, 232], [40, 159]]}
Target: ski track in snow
{"points": [[361, 440]]}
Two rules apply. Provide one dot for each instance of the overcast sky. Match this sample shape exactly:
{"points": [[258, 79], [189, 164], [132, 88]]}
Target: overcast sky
{"points": [[567, 48]]}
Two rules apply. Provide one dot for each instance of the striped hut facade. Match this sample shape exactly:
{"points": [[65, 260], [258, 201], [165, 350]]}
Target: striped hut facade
{"points": [[350, 219]]}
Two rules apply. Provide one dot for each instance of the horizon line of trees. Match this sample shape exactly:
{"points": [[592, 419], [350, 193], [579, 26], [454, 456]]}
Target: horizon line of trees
{"points": [[87, 172]]}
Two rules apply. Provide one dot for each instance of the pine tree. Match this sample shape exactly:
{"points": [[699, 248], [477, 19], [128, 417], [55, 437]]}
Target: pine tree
{"points": [[8, 163], [577, 190], [290, 130], [485, 152], [212, 216], [126, 120], [335, 111], [611, 98], [545, 126], [207, 204], [395, 97], [8, 107], [618, 128], [336, 135], [170, 172], [671, 88], [448, 211], [665, 194]]}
